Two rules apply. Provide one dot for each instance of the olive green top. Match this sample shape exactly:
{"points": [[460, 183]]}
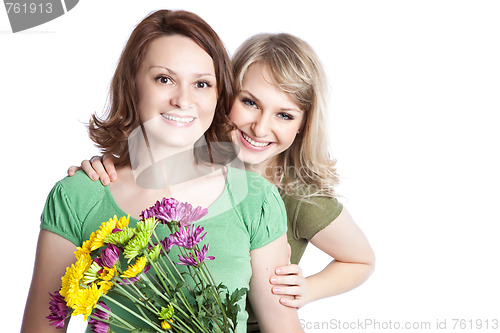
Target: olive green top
{"points": [[305, 219]]}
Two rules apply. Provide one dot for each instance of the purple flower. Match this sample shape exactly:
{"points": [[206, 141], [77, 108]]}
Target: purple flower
{"points": [[109, 256], [188, 238], [200, 255], [169, 210], [99, 326], [186, 214], [168, 242], [165, 211], [59, 312]]}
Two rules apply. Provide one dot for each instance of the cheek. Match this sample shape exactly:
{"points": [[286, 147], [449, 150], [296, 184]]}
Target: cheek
{"points": [[237, 116], [209, 102], [206, 109], [287, 136], [143, 108]]}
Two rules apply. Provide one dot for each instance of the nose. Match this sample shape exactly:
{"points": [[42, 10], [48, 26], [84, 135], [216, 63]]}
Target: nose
{"points": [[261, 125], [181, 97]]}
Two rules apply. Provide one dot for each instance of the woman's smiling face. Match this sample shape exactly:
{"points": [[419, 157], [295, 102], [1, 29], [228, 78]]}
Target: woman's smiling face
{"points": [[267, 118], [176, 88]]}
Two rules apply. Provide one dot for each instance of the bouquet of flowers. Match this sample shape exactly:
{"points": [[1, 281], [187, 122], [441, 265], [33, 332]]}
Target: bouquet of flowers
{"points": [[155, 292]]}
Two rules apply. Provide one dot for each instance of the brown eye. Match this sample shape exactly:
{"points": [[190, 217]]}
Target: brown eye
{"points": [[163, 79], [203, 84]]}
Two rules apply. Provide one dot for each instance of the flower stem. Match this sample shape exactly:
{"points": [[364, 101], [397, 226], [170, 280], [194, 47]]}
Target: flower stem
{"points": [[135, 314]]}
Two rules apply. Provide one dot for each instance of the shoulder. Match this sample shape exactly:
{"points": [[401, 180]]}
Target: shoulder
{"points": [[309, 215], [259, 207], [68, 205], [316, 202], [81, 183], [80, 191]]}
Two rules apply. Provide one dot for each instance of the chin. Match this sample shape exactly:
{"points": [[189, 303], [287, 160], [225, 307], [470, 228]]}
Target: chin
{"points": [[253, 160]]}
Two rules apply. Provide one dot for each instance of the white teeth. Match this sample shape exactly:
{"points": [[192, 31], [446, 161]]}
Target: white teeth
{"points": [[178, 119], [254, 143]]}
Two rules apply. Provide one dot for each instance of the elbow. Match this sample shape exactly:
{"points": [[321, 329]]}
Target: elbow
{"points": [[369, 262]]}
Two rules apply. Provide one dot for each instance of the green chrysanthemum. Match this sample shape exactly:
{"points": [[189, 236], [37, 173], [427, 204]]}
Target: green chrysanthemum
{"points": [[154, 253], [91, 274], [120, 238], [137, 244], [147, 225], [166, 313]]}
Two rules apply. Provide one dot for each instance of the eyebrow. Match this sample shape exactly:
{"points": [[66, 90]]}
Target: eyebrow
{"points": [[174, 73], [259, 102]]}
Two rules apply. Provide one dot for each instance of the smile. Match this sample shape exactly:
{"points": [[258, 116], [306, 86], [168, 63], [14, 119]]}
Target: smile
{"points": [[253, 142], [185, 120]]}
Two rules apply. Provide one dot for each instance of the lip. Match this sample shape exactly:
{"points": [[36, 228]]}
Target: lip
{"points": [[251, 147], [178, 120]]}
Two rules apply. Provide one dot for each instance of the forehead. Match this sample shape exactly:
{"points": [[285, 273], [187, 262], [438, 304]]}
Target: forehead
{"points": [[178, 52], [259, 81]]}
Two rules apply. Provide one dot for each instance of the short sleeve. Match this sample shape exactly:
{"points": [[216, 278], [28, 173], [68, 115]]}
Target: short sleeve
{"points": [[59, 216], [272, 222], [313, 215]]}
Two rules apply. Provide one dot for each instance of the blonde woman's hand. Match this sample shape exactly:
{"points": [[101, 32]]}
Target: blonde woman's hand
{"points": [[98, 167], [289, 282]]}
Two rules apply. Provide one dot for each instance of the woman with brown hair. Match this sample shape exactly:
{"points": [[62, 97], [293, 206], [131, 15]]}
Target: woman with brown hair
{"points": [[281, 114], [170, 91]]}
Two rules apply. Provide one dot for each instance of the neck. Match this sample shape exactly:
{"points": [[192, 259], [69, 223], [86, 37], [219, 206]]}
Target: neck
{"points": [[157, 165], [266, 170]]}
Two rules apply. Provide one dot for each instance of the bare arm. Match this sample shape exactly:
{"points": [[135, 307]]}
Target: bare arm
{"points": [[271, 315], [353, 264], [54, 253]]}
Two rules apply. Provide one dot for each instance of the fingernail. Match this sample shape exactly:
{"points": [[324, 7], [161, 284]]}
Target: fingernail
{"points": [[276, 290], [274, 279], [279, 270], [95, 177]]}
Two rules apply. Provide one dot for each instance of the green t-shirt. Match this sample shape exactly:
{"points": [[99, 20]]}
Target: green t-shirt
{"points": [[248, 214]]}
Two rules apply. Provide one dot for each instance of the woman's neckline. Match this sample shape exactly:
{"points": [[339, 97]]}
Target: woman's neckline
{"points": [[227, 172]]}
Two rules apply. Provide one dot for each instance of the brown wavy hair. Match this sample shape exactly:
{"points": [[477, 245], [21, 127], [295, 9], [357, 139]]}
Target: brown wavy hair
{"points": [[111, 132]]}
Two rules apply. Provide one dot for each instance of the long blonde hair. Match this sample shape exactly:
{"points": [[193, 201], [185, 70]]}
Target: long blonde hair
{"points": [[306, 168]]}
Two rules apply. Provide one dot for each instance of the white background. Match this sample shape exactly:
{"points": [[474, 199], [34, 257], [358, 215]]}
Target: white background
{"points": [[415, 98]]}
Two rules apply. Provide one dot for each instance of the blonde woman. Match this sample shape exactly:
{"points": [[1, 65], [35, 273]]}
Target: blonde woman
{"points": [[281, 115]]}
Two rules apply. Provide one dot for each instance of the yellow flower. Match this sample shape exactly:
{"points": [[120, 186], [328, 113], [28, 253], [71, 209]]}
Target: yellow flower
{"points": [[74, 274], [107, 273], [86, 300], [85, 248], [105, 286], [166, 325], [123, 222], [105, 229], [136, 268]]}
